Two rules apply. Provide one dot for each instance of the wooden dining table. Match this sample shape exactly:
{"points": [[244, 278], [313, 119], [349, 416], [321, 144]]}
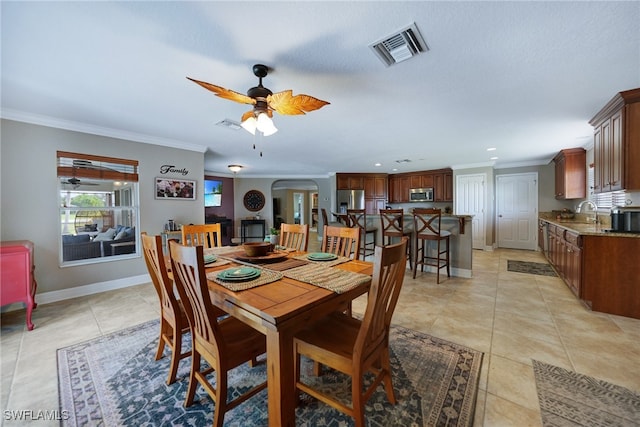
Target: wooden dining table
{"points": [[279, 309]]}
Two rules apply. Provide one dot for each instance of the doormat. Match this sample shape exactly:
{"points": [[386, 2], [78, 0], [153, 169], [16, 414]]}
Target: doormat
{"points": [[570, 399], [114, 381], [538, 268]]}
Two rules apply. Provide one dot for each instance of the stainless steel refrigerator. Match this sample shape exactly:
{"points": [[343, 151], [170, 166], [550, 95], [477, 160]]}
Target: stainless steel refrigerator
{"points": [[350, 199]]}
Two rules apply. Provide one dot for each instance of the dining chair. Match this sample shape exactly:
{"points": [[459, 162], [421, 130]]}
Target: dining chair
{"points": [[392, 222], [223, 342], [294, 236], [358, 219], [356, 347], [207, 235], [426, 225], [341, 241], [173, 319]]}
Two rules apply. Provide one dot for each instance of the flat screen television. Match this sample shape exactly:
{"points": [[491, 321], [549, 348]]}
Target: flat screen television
{"points": [[212, 193]]}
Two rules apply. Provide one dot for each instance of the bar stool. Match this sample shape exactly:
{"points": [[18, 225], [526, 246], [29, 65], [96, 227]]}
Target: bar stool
{"points": [[392, 221], [426, 224], [358, 218]]}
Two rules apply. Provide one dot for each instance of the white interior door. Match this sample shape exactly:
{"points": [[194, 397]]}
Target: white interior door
{"points": [[470, 200], [517, 210]]}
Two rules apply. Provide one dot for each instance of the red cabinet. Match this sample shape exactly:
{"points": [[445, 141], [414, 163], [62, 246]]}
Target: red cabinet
{"points": [[16, 275]]}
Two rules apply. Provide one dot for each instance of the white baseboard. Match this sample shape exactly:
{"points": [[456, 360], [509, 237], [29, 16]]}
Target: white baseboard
{"points": [[93, 288]]}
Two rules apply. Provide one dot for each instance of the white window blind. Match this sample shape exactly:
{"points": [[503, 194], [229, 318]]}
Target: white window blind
{"points": [[603, 200]]}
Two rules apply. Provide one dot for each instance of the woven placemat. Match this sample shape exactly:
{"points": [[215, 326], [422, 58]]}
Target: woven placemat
{"points": [[333, 279], [337, 261], [217, 263], [266, 276]]}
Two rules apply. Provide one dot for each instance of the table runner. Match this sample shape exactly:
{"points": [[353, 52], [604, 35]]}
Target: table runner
{"points": [[266, 276], [333, 279]]}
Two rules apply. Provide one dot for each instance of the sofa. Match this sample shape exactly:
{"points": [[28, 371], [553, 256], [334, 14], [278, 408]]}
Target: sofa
{"points": [[117, 240], [76, 247]]}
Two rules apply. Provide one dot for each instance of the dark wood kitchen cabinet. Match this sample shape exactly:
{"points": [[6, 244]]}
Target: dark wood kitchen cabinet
{"points": [[616, 143], [443, 187], [399, 186], [374, 186], [345, 181], [571, 173], [601, 269]]}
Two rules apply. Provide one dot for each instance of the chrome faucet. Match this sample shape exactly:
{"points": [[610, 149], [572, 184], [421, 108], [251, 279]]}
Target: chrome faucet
{"points": [[593, 207]]}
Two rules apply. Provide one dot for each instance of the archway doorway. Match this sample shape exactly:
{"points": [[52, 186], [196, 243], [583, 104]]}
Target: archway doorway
{"points": [[295, 201]]}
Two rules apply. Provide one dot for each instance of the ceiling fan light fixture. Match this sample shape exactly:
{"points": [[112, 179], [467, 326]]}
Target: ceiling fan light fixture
{"points": [[265, 125], [235, 168], [250, 125]]}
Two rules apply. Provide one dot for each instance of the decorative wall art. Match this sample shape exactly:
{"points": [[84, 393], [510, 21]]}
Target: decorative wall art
{"points": [[176, 189]]}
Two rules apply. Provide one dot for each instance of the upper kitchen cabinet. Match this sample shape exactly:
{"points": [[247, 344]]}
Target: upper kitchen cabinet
{"points": [[348, 181], [616, 143], [399, 186], [571, 168], [421, 180], [443, 186]]}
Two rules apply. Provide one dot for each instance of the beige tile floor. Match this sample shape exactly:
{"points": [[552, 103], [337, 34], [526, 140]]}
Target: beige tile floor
{"points": [[511, 317]]}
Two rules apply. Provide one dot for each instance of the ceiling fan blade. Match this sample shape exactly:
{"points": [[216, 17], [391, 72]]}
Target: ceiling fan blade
{"points": [[225, 93], [285, 103]]}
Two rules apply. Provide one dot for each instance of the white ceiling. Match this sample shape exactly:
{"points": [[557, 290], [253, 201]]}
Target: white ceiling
{"points": [[523, 77]]}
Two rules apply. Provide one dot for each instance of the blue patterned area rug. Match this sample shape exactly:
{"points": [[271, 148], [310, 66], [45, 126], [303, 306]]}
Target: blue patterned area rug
{"points": [[114, 380], [570, 399]]}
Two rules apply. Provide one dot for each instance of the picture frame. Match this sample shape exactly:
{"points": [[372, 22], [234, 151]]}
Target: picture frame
{"points": [[174, 189]]}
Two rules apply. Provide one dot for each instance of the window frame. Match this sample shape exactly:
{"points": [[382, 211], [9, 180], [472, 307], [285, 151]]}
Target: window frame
{"points": [[120, 176]]}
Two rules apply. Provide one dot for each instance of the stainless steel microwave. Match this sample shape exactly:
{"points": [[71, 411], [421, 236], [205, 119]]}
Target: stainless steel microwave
{"points": [[421, 195]]}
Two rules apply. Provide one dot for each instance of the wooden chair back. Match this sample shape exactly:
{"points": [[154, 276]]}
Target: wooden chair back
{"points": [[342, 241], [388, 274], [392, 221], [207, 235], [325, 217], [294, 236], [427, 222], [224, 342], [173, 320], [357, 347]]}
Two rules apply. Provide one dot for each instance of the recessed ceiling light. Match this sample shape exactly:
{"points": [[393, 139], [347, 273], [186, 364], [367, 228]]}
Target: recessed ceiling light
{"points": [[491, 149], [493, 158], [378, 165], [394, 169]]}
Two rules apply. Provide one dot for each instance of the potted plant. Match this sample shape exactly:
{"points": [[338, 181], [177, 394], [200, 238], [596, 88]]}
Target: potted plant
{"points": [[273, 236]]}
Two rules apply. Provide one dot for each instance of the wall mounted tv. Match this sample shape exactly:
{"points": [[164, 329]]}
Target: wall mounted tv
{"points": [[212, 193]]}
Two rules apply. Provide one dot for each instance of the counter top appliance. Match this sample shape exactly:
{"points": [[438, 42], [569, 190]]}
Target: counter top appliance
{"points": [[625, 219]]}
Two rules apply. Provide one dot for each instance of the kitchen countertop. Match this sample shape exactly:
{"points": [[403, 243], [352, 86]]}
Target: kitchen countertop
{"points": [[583, 227]]}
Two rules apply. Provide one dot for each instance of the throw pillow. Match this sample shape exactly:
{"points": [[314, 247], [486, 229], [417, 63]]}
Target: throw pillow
{"points": [[121, 235], [107, 235]]}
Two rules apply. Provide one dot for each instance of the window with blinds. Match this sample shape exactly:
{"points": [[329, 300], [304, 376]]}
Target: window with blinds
{"points": [[99, 213], [603, 200]]}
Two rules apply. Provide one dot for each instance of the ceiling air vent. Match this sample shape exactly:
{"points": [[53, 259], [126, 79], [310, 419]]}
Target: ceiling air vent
{"points": [[401, 46], [228, 123]]}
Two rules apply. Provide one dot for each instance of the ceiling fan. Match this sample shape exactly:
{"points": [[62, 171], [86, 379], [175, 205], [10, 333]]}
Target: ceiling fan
{"points": [[76, 182], [265, 102]]}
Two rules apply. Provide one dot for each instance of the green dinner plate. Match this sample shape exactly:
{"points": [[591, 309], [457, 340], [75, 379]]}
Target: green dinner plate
{"points": [[321, 256], [227, 278], [208, 259], [239, 273]]}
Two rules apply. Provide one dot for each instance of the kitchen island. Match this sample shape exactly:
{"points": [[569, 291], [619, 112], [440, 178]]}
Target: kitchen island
{"points": [[600, 267], [460, 241]]}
